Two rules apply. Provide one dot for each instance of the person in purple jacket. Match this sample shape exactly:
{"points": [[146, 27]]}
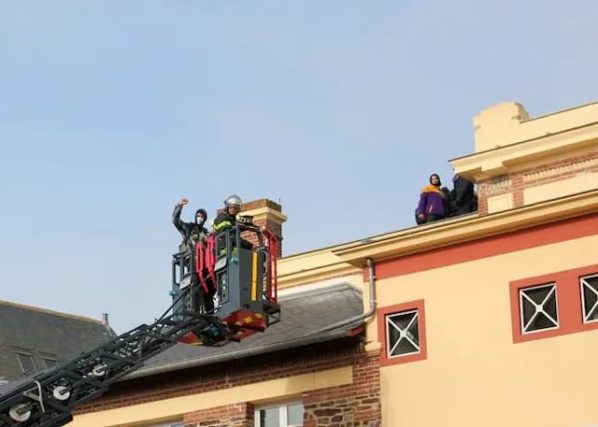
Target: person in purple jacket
{"points": [[432, 202]]}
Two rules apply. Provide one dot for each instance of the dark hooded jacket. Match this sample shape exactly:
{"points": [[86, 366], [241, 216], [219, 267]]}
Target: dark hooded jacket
{"points": [[192, 232], [463, 196]]}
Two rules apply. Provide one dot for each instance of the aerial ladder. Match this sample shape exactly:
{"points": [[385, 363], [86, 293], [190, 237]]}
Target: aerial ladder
{"points": [[238, 275]]}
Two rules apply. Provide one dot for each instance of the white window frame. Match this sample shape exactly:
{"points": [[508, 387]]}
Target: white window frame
{"points": [[539, 308], [583, 283], [282, 413], [403, 334]]}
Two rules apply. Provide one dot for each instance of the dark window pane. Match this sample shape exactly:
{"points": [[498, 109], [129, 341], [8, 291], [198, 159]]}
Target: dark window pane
{"points": [[590, 296], [537, 295], [404, 347], [592, 281], [413, 332], [541, 322], [550, 306], [402, 320], [546, 316], [393, 334], [528, 310], [400, 327]]}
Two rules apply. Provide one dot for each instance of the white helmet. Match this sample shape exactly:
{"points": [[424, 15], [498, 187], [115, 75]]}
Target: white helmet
{"points": [[233, 200]]}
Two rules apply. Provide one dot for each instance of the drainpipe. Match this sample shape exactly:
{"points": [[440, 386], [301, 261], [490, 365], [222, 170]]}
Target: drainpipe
{"points": [[363, 316]]}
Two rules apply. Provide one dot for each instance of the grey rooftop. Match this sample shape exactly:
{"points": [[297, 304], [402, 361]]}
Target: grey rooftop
{"points": [[304, 316], [33, 339]]}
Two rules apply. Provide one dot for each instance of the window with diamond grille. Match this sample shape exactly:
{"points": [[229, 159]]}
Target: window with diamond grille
{"points": [[402, 333], [589, 298], [538, 306]]}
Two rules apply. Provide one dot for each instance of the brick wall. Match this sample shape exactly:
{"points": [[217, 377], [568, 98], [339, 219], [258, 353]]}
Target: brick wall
{"points": [[269, 225], [515, 183], [357, 404], [267, 221], [237, 415]]}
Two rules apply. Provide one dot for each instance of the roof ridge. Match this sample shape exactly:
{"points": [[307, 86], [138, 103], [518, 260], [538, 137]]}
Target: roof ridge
{"points": [[324, 289], [49, 311]]}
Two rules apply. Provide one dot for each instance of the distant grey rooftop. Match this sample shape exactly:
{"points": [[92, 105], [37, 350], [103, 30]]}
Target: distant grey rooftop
{"points": [[33, 339], [304, 315]]}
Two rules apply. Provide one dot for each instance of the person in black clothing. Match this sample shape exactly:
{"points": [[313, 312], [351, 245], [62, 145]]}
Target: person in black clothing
{"points": [[463, 198], [193, 233]]}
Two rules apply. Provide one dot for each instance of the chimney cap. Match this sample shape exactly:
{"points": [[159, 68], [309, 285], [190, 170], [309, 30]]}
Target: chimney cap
{"points": [[261, 203]]}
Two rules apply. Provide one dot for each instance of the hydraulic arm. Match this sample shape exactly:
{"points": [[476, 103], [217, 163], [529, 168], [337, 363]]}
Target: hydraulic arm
{"points": [[243, 278], [48, 398]]}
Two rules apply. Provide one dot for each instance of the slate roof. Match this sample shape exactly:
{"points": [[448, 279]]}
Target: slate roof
{"points": [[306, 319], [42, 338], [305, 315]]}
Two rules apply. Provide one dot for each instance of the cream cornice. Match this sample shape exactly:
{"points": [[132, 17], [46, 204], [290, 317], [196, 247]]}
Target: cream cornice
{"points": [[310, 267], [317, 274], [266, 212], [490, 163], [468, 228]]}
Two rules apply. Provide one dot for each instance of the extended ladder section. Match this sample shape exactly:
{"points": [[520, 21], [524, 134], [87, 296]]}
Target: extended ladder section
{"points": [[223, 290], [47, 399]]}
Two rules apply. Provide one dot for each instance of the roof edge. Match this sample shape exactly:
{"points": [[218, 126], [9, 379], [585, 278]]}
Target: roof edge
{"points": [[470, 228], [345, 332], [51, 312]]}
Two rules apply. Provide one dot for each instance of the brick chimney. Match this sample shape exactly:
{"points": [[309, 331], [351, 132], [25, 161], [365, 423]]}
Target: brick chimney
{"points": [[266, 213]]}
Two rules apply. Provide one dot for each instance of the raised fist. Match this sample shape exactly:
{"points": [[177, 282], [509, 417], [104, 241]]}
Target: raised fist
{"points": [[183, 201]]}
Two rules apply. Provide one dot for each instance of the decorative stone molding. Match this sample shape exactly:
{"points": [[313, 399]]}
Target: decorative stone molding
{"points": [[495, 186], [561, 170]]}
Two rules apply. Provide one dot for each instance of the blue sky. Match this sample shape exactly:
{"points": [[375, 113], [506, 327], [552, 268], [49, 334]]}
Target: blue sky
{"points": [[111, 111]]}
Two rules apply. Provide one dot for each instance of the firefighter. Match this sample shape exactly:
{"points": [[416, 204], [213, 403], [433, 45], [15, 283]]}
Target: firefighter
{"points": [[228, 217]]}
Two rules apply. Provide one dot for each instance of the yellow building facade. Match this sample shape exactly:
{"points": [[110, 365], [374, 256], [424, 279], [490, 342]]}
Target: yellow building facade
{"points": [[489, 318]]}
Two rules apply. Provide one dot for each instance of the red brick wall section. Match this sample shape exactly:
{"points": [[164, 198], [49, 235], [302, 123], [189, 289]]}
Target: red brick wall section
{"points": [[517, 182], [538, 175], [482, 204], [492, 187], [226, 375], [236, 415], [271, 226], [355, 405]]}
